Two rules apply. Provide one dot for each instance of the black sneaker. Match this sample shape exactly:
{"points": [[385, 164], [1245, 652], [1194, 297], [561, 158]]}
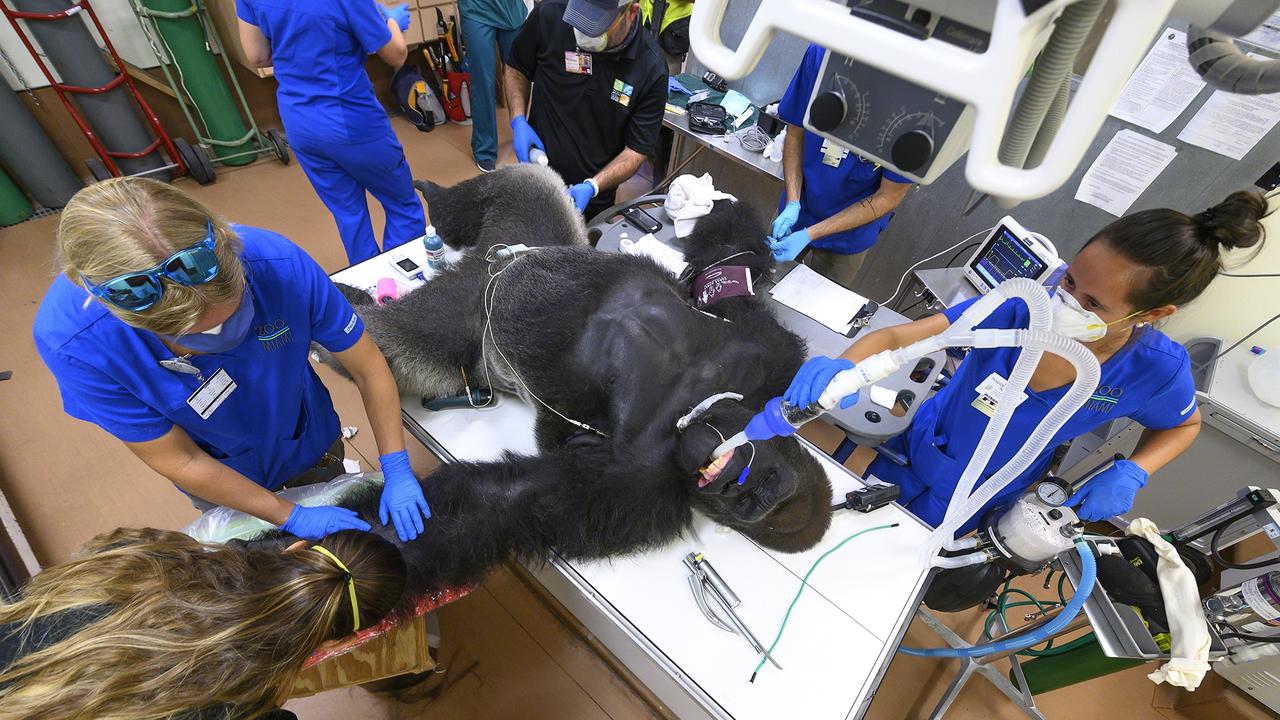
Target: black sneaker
{"points": [[486, 166]]}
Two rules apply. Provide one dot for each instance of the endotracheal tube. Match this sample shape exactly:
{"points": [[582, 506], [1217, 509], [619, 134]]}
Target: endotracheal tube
{"points": [[780, 419]]}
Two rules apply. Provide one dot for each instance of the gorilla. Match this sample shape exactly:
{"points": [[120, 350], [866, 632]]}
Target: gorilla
{"points": [[612, 351]]}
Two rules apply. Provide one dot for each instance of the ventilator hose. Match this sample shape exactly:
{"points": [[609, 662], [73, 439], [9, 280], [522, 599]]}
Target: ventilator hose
{"points": [[1054, 64], [1088, 573], [1217, 59], [1049, 128]]}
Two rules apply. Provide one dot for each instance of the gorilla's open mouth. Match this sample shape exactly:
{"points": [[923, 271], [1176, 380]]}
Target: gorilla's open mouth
{"points": [[715, 469]]}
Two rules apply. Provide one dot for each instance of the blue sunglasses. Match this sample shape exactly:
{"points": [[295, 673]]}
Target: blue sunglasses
{"points": [[137, 291]]}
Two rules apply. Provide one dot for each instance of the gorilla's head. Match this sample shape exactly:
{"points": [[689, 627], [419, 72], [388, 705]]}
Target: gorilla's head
{"points": [[784, 498], [732, 233]]}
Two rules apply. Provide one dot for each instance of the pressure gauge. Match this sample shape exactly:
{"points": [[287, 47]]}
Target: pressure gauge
{"points": [[1053, 493]]}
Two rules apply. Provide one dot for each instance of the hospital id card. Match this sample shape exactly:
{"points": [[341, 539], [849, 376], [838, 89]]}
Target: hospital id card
{"points": [[833, 154], [210, 396], [989, 394], [577, 63]]}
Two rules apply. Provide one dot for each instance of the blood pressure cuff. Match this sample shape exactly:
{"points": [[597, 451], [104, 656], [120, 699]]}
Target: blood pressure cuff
{"points": [[708, 118]]}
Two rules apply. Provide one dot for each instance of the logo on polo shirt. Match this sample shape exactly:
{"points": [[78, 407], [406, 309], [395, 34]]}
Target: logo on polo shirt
{"points": [[1105, 399], [622, 93], [274, 335]]}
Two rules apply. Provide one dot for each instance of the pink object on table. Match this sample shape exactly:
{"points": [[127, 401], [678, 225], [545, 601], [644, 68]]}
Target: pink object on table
{"points": [[388, 289]]}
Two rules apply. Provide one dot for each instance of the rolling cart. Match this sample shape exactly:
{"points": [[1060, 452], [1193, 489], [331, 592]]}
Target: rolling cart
{"points": [[185, 38], [183, 158]]}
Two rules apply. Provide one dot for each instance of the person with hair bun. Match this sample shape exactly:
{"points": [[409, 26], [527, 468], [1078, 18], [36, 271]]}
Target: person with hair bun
{"points": [[150, 624], [188, 339], [1132, 274]]}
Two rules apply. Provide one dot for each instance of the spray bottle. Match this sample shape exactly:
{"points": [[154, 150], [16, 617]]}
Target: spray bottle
{"points": [[538, 157], [434, 247]]}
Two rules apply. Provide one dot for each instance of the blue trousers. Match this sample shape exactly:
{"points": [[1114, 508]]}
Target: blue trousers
{"points": [[483, 67], [342, 174]]}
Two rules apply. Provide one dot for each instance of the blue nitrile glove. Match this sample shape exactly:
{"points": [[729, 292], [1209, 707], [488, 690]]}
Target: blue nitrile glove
{"points": [[582, 194], [313, 523], [523, 137], [813, 377], [674, 86], [399, 13], [1110, 492], [786, 220], [789, 247], [402, 502]]}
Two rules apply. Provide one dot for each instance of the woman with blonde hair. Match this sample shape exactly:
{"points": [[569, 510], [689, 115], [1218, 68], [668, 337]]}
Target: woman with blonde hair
{"points": [[188, 339], [152, 624]]}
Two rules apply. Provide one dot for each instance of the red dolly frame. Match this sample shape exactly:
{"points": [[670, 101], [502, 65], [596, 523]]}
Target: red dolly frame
{"points": [[107, 156]]}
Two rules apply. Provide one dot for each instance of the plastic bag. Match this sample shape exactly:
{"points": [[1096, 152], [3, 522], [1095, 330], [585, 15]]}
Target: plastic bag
{"points": [[222, 524]]}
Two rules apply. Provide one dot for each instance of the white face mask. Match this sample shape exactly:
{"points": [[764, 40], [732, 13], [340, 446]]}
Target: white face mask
{"points": [[1072, 320], [591, 43]]}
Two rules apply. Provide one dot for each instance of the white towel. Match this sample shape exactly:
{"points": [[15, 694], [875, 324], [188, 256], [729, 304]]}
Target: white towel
{"points": [[689, 198], [1188, 630]]}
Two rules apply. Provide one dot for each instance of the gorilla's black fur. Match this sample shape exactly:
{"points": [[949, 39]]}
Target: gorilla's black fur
{"points": [[611, 341]]}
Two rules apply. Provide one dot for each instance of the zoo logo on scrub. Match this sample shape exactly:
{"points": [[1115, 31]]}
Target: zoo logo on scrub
{"points": [[274, 335]]}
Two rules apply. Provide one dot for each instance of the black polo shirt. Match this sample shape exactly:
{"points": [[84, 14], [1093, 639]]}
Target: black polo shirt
{"points": [[585, 120]]}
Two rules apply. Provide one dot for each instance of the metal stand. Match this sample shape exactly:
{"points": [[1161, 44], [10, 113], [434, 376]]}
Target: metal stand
{"points": [[1019, 694]]}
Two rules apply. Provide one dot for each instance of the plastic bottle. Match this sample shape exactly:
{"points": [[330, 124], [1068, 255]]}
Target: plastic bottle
{"points": [[435, 248], [538, 157]]}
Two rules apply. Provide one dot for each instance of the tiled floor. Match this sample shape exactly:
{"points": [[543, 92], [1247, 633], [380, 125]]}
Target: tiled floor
{"points": [[508, 655]]}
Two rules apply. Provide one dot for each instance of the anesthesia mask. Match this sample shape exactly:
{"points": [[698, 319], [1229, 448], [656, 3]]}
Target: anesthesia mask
{"points": [[591, 43], [1072, 320]]}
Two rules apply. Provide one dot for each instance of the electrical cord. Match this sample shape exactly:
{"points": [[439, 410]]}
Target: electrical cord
{"points": [[1251, 638], [1217, 556], [754, 139], [962, 250], [804, 582], [903, 279], [490, 292], [1239, 342]]}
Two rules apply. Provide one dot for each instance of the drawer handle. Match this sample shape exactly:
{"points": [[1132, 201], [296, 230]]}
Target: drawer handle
{"points": [[1267, 445]]}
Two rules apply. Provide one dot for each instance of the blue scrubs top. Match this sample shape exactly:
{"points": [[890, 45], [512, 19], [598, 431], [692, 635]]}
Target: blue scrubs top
{"points": [[279, 419], [1147, 380], [828, 190], [318, 51]]}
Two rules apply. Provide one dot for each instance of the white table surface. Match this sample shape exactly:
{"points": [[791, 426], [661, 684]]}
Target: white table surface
{"points": [[840, 637]]}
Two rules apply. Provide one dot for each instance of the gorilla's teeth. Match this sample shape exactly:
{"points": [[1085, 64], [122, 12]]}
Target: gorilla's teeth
{"points": [[712, 471]]}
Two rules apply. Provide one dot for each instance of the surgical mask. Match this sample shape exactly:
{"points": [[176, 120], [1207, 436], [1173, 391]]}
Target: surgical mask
{"points": [[225, 336], [591, 43], [1072, 320]]}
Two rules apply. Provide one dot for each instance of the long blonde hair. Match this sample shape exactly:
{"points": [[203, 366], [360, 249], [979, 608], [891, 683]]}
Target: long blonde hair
{"points": [[189, 626], [129, 224]]}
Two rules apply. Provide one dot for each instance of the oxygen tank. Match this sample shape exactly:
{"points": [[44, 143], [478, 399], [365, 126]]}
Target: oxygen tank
{"points": [[73, 53], [14, 206], [31, 155], [186, 39]]}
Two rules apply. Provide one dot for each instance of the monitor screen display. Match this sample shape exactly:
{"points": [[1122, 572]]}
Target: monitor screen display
{"points": [[407, 265], [1007, 256]]}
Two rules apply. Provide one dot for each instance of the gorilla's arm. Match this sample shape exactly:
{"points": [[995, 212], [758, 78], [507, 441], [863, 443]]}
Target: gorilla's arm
{"points": [[584, 502]]}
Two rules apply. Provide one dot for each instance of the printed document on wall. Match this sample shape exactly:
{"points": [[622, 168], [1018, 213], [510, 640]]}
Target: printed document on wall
{"points": [[1124, 169], [1161, 87], [1232, 124]]}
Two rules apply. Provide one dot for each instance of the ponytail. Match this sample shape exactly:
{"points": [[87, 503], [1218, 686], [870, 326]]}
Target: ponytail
{"points": [[1181, 254]]}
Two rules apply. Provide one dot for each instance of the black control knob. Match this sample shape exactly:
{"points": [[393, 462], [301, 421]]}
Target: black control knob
{"points": [[911, 151], [827, 111]]}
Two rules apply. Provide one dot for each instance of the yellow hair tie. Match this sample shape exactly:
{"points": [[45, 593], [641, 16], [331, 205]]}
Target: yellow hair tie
{"points": [[351, 584]]}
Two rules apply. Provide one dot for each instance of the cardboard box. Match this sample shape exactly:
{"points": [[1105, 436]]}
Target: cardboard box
{"points": [[223, 14]]}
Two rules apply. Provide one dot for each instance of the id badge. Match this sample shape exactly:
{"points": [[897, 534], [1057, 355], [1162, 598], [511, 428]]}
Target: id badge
{"points": [[577, 63], [833, 154], [989, 394], [210, 396]]}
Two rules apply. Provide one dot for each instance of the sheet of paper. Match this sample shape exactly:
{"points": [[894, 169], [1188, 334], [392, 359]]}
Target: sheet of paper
{"points": [[1267, 34], [650, 246], [1161, 87], [1123, 170], [809, 293], [1232, 124]]}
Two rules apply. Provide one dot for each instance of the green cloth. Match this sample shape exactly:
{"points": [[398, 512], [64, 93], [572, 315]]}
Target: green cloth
{"points": [[501, 14]]}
